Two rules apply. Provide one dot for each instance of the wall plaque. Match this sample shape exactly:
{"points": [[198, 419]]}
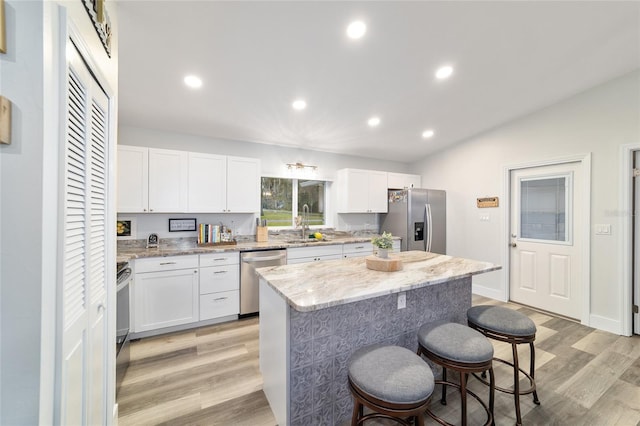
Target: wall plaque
{"points": [[485, 202]]}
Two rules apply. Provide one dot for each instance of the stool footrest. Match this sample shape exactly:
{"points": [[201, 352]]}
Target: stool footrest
{"points": [[532, 382]]}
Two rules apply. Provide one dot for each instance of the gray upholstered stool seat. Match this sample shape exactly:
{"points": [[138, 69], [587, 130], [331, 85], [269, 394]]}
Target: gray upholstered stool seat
{"points": [[390, 380], [455, 342], [513, 327], [502, 320], [464, 350]]}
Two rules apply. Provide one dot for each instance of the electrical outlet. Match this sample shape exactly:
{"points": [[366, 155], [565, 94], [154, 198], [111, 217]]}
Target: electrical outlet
{"points": [[603, 229], [402, 300], [485, 218]]}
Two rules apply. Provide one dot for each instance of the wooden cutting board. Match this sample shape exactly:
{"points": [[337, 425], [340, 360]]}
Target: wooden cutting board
{"points": [[390, 264]]}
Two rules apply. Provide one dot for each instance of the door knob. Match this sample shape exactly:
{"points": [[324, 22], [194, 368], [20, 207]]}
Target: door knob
{"points": [[512, 244]]}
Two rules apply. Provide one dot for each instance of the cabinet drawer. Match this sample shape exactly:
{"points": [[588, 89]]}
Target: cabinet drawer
{"points": [[219, 278], [155, 264], [328, 250], [217, 259], [220, 304], [365, 247], [313, 259]]}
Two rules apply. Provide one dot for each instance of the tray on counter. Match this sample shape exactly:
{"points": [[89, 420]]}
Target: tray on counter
{"points": [[221, 243]]}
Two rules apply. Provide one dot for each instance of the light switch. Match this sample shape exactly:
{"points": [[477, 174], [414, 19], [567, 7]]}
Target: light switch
{"points": [[603, 229], [402, 300]]}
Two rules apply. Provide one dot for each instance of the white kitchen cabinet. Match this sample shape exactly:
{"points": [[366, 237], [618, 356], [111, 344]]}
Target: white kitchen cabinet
{"points": [[362, 191], [165, 292], [402, 180], [219, 285], [313, 254], [207, 183], [243, 185], [357, 249], [133, 179], [168, 180]]}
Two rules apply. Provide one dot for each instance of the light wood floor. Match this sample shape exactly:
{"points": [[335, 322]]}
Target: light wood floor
{"points": [[210, 376]]}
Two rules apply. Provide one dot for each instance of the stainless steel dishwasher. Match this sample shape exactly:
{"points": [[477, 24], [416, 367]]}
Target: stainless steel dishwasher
{"points": [[249, 289]]}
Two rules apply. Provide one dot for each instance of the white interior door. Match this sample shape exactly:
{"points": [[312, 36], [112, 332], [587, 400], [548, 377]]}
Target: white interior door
{"points": [[636, 244], [83, 361], [545, 263]]}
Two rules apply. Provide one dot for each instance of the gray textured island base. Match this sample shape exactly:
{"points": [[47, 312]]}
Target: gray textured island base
{"points": [[304, 354]]}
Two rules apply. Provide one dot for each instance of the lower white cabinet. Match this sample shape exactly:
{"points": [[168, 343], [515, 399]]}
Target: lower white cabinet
{"points": [[165, 299], [357, 249], [219, 285], [313, 254], [220, 304]]}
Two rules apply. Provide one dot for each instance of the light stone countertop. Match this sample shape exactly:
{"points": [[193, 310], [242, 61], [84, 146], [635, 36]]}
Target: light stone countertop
{"points": [[318, 285], [127, 254]]}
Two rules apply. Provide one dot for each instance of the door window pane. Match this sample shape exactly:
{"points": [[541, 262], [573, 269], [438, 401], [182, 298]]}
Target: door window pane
{"points": [[277, 199], [311, 193], [543, 204]]}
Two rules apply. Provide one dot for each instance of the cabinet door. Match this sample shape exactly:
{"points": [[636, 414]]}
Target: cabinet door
{"points": [[165, 299], [207, 183], [243, 185], [133, 179], [355, 198], [168, 180], [377, 192]]}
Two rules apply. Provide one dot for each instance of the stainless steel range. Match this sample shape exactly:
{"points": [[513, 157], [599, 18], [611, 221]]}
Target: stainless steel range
{"points": [[122, 321]]}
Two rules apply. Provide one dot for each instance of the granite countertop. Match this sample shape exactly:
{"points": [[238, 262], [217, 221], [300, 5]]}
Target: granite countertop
{"points": [[127, 254], [318, 285]]}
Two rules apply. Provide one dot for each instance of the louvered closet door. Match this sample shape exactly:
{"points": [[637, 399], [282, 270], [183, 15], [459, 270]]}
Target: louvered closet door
{"points": [[84, 341]]}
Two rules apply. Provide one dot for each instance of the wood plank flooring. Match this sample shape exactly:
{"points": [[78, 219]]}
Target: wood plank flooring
{"points": [[211, 376]]}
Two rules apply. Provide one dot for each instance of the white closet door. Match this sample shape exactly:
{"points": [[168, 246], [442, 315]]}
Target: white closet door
{"points": [[83, 359]]}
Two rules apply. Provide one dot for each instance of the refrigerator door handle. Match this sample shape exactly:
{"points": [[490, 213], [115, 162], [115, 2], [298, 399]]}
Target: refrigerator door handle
{"points": [[428, 227]]}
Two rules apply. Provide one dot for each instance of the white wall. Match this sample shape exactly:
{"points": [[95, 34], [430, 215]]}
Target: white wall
{"points": [[597, 121], [30, 79], [273, 159]]}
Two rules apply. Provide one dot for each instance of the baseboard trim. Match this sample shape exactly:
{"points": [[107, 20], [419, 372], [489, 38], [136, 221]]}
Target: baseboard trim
{"points": [[606, 324], [491, 293]]}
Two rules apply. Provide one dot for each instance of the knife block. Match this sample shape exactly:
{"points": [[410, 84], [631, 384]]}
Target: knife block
{"points": [[262, 234]]}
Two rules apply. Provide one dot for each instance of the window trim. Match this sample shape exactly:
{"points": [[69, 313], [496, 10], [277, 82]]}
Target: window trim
{"points": [[328, 216]]}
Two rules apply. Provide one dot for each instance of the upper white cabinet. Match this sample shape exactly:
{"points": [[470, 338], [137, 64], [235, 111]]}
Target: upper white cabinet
{"points": [[243, 185], [133, 179], [362, 191], [402, 180], [168, 181], [207, 182]]}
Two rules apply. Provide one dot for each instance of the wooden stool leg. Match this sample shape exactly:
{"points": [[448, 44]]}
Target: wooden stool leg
{"points": [[420, 420], [516, 383], [532, 370], [443, 398], [492, 391], [357, 413], [463, 398]]}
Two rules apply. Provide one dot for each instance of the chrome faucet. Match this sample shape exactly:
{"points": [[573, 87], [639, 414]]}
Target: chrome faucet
{"points": [[305, 220]]}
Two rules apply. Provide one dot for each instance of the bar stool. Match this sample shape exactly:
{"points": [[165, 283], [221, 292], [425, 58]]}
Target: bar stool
{"points": [[506, 325], [457, 347], [391, 381]]}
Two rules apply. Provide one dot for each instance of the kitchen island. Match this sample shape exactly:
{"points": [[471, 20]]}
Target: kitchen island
{"points": [[313, 316]]}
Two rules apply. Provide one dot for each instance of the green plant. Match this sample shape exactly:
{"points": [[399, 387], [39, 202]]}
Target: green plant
{"points": [[384, 241]]}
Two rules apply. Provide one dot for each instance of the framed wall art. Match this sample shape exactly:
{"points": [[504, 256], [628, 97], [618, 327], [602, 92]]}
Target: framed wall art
{"points": [[126, 228]]}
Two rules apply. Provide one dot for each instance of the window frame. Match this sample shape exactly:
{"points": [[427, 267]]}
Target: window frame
{"points": [[328, 223]]}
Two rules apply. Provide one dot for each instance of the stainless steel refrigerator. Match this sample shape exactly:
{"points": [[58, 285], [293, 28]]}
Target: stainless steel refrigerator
{"points": [[419, 217]]}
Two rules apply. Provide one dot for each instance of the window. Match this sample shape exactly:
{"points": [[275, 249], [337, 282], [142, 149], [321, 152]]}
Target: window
{"points": [[283, 199]]}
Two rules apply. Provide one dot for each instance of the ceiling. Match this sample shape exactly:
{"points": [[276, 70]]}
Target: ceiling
{"points": [[256, 58]]}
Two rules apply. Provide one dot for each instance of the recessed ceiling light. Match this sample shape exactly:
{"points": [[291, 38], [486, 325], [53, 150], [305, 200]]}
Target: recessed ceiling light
{"points": [[428, 134], [299, 104], [373, 121], [193, 81], [356, 29], [444, 72]]}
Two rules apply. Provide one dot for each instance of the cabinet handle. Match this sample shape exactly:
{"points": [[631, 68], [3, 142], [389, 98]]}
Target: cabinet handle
{"points": [[144, 210], [167, 263], [219, 258], [195, 272], [150, 210], [220, 298], [220, 272], [359, 247]]}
